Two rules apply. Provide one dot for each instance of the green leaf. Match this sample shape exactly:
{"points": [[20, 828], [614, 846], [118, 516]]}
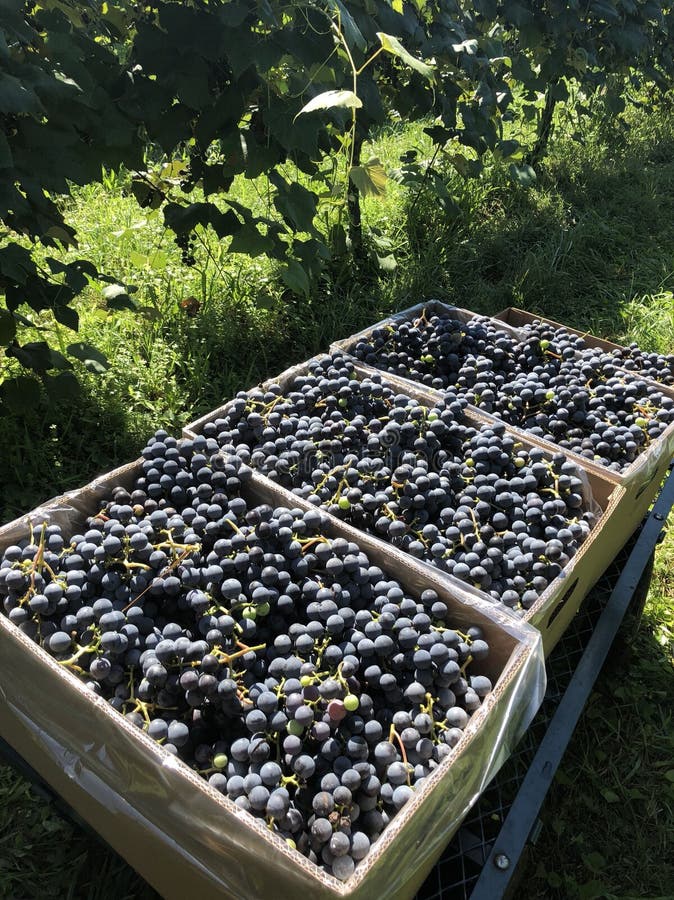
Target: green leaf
{"points": [[592, 890], [469, 46], [296, 204], [39, 356], [387, 263], [370, 178], [594, 861], [92, 358], [352, 33], [524, 175], [610, 796], [559, 91], [117, 297], [248, 240], [67, 316], [507, 148], [392, 45], [295, 278], [20, 393], [63, 386], [16, 98], [605, 10], [7, 326], [332, 100], [6, 158]]}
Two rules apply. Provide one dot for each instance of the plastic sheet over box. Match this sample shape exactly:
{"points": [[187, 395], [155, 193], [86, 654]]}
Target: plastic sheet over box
{"points": [[557, 605], [187, 839]]}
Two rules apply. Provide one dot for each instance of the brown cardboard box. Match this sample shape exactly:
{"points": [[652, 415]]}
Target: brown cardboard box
{"points": [[187, 839], [643, 477], [557, 605], [640, 480]]}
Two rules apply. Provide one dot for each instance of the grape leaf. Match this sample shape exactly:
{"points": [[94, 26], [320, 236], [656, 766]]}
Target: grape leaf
{"points": [[332, 100], [92, 358], [370, 178], [20, 393], [295, 278], [392, 45]]}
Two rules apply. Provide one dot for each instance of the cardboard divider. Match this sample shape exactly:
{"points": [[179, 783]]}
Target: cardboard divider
{"points": [[584, 569], [187, 839]]}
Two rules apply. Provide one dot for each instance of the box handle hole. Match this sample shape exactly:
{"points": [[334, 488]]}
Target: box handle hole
{"points": [[562, 601]]}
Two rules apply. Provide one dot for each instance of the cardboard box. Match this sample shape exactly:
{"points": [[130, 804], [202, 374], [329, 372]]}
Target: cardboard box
{"points": [[556, 606], [640, 480], [643, 477], [188, 840]]}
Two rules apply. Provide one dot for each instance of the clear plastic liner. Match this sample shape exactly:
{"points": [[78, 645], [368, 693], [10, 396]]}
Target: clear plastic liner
{"points": [[600, 496], [187, 839]]}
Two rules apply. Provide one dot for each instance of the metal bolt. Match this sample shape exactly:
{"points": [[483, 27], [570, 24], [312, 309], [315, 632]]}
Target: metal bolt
{"points": [[501, 861]]}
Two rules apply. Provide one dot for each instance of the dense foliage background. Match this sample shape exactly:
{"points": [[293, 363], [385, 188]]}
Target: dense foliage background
{"points": [[191, 96]]}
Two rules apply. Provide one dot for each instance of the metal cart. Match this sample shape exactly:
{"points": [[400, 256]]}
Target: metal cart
{"points": [[482, 860]]}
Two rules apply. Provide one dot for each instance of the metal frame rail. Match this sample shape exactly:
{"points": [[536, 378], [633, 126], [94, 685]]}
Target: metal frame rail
{"points": [[481, 861]]}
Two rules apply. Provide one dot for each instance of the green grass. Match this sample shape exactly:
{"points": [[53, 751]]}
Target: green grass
{"points": [[592, 244]]}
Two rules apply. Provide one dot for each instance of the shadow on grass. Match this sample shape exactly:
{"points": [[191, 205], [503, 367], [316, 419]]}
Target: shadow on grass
{"points": [[609, 817]]}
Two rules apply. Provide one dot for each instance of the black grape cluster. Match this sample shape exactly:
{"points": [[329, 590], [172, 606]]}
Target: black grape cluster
{"points": [[583, 402], [656, 366], [548, 382], [439, 351], [471, 501], [302, 681]]}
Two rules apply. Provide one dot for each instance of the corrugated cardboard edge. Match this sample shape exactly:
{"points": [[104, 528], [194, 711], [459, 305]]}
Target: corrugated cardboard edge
{"points": [[489, 736]]}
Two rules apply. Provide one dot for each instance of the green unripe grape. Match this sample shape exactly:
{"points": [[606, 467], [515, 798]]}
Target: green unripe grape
{"points": [[249, 612], [427, 358], [641, 422], [351, 702], [519, 462], [220, 761], [470, 462], [342, 402], [294, 727], [306, 680], [550, 395], [344, 503], [432, 416], [545, 344], [263, 609]]}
